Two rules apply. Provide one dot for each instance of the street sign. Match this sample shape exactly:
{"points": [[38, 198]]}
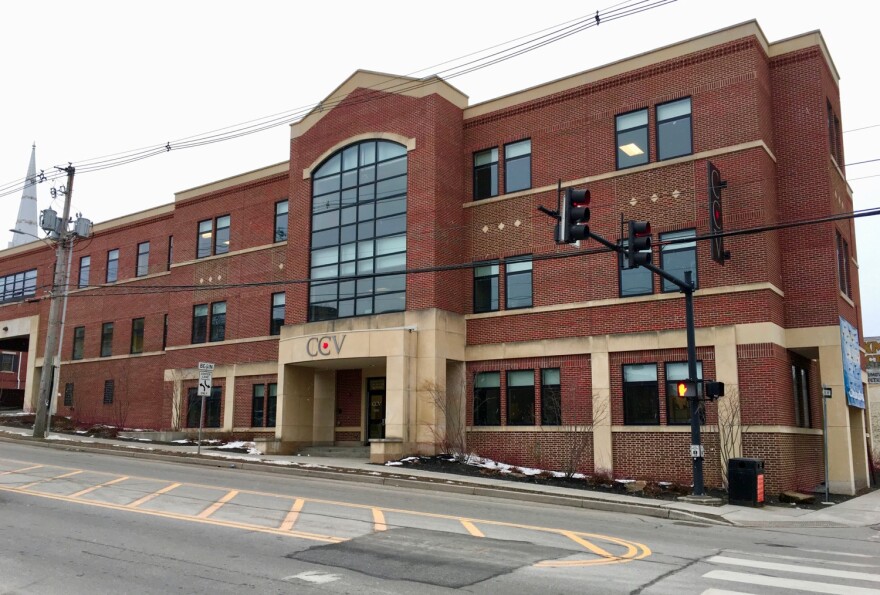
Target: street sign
{"points": [[826, 391], [697, 451], [206, 372]]}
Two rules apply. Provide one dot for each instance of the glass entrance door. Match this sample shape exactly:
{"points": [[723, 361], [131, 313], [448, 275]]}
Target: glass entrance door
{"points": [[375, 408]]}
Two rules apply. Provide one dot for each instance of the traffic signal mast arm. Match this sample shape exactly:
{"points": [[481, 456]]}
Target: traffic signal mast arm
{"points": [[683, 285]]}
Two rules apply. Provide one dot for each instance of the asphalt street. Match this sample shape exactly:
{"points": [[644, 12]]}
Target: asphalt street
{"points": [[73, 522]]}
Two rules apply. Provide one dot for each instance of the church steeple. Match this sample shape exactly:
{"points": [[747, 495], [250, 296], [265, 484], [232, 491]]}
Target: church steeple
{"points": [[27, 209]]}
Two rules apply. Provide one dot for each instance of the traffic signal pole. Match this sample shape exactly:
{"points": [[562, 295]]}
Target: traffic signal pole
{"points": [[687, 288]]}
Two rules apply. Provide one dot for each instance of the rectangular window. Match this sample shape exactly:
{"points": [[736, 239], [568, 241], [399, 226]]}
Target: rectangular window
{"points": [[551, 397], [843, 265], [518, 282], [170, 253], [486, 174], [678, 257], [165, 332], [68, 394], [640, 395], [218, 321], [8, 362], [213, 237], [518, 166], [200, 323], [143, 259], [632, 138], [107, 339], [258, 406], [271, 402], [801, 386], [637, 281], [17, 286], [281, 221], [112, 265], [109, 388], [276, 320], [79, 341], [487, 399], [85, 267], [678, 409], [486, 288], [674, 137], [221, 239], [521, 398], [205, 239], [137, 335], [212, 408], [834, 136]]}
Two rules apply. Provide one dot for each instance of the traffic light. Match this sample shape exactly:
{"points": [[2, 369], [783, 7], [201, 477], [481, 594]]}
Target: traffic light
{"points": [[638, 245], [716, 215], [686, 389], [574, 214], [714, 390]]}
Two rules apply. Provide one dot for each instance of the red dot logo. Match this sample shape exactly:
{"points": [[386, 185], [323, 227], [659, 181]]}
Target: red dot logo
{"points": [[325, 345]]}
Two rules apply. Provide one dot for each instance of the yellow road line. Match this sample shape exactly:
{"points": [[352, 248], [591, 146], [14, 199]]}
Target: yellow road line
{"points": [[379, 520], [149, 497], [33, 483], [588, 545], [291, 517], [21, 470], [472, 528], [101, 485], [216, 505], [182, 517]]}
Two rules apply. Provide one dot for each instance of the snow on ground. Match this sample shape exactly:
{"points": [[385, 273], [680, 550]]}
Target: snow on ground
{"points": [[250, 446]]}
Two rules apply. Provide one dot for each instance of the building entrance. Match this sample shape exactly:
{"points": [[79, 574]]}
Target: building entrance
{"points": [[375, 408]]}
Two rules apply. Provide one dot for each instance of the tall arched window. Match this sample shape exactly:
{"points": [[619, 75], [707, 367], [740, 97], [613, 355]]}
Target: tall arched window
{"points": [[359, 232]]}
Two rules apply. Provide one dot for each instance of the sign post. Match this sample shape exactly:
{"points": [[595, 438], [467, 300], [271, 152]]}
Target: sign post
{"points": [[206, 372], [826, 394]]}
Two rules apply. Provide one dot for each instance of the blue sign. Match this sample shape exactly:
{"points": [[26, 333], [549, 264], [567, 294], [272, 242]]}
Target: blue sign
{"points": [[852, 369]]}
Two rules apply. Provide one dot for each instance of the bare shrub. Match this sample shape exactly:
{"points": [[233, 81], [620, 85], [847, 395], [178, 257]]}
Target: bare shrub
{"points": [[576, 443], [449, 431], [730, 430]]}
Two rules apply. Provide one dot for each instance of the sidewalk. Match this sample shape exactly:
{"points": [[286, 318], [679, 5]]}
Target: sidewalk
{"points": [[863, 511]]}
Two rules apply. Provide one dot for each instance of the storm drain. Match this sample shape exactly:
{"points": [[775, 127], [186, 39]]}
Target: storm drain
{"points": [[432, 557]]}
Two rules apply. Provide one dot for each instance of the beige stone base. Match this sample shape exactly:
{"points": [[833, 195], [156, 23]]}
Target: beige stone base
{"points": [[390, 449]]}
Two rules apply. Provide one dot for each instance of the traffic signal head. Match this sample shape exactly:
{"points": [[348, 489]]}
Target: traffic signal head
{"points": [[638, 245], [574, 214], [716, 215], [714, 389], [686, 389]]}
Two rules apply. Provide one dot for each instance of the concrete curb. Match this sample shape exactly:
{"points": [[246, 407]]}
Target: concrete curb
{"points": [[388, 479]]}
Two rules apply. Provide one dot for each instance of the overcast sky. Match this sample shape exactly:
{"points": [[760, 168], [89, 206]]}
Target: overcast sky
{"points": [[86, 79]]}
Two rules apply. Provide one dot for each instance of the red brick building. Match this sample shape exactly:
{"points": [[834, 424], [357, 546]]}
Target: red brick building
{"points": [[394, 282]]}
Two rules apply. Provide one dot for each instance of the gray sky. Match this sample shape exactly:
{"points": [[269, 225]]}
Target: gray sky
{"points": [[86, 79]]}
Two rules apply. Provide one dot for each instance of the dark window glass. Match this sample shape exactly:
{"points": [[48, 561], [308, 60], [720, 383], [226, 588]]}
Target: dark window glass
{"points": [[109, 388], [551, 397], [8, 362], [518, 283], [221, 241], [200, 323], [79, 340], [107, 339], [271, 402], [678, 408], [679, 257], [281, 221], [674, 129], [632, 139], [521, 398], [258, 411], [165, 332], [277, 317], [485, 174], [834, 136], [85, 267], [137, 335], [487, 399], [170, 253], [843, 265], [640, 395], [801, 385], [205, 236], [212, 408], [112, 266], [68, 394], [17, 286], [372, 204], [143, 259], [518, 166], [637, 281], [218, 321], [486, 288]]}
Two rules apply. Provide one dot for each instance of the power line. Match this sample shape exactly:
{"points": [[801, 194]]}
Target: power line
{"points": [[862, 128]]}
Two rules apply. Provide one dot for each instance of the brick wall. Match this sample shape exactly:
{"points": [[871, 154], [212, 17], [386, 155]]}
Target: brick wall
{"points": [[349, 400]]}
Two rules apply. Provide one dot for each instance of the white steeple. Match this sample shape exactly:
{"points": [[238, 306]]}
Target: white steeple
{"points": [[27, 210]]}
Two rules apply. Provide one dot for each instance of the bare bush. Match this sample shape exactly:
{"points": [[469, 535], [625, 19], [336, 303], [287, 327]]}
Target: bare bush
{"points": [[577, 438], [730, 430], [449, 430]]}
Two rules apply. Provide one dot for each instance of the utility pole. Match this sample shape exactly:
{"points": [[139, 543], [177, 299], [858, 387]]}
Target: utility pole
{"points": [[44, 400]]}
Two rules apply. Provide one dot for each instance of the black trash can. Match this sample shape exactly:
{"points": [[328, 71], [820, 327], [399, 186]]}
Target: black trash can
{"points": [[745, 482]]}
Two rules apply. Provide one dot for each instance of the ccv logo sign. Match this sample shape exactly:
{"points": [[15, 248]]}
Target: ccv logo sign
{"points": [[324, 345]]}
